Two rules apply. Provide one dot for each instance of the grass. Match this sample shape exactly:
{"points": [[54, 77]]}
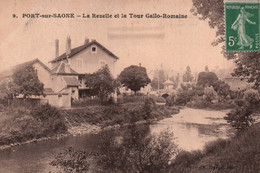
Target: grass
{"points": [[20, 125], [239, 154], [116, 114]]}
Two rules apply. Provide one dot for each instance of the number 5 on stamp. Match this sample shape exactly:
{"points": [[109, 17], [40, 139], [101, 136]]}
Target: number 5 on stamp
{"points": [[242, 22]]}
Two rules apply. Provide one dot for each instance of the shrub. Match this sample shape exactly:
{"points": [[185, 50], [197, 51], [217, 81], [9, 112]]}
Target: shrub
{"points": [[71, 160], [209, 94], [170, 101]]}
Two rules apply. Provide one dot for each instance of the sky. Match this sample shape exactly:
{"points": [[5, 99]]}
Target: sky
{"points": [[171, 43]]}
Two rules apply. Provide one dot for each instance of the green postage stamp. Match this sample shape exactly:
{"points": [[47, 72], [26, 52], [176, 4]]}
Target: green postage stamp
{"points": [[242, 22]]}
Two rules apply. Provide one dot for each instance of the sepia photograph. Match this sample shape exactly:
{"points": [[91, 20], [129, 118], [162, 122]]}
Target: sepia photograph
{"points": [[130, 86]]}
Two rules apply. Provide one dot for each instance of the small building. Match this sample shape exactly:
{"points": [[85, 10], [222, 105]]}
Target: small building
{"points": [[237, 83], [168, 85]]}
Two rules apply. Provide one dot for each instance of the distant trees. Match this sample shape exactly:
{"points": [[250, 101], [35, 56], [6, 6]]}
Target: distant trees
{"points": [[206, 79], [187, 76], [158, 79], [134, 77], [101, 83]]}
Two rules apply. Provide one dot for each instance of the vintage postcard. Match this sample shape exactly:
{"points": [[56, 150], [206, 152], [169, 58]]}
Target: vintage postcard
{"points": [[129, 86]]}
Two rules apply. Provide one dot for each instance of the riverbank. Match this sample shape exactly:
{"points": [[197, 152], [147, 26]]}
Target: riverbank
{"points": [[19, 126], [238, 154]]}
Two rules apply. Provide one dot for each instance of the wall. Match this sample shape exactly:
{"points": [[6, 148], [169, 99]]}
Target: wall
{"points": [[91, 61], [237, 84], [43, 75], [59, 100]]}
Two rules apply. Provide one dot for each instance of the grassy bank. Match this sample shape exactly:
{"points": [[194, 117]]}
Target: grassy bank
{"points": [[104, 116], [239, 154], [199, 103], [18, 125]]}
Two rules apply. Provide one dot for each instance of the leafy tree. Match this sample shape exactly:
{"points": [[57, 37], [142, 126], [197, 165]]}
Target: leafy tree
{"points": [[101, 83], [134, 77], [187, 76], [26, 82], [209, 94], [222, 88], [207, 79], [159, 75], [137, 151], [241, 117], [247, 63]]}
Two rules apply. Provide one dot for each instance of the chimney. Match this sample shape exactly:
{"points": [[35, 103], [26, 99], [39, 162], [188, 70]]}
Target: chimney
{"points": [[56, 48], [68, 46], [67, 68], [86, 41]]}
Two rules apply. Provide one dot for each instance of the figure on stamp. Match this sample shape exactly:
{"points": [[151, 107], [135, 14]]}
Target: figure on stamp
{"points": [[239, 25]]}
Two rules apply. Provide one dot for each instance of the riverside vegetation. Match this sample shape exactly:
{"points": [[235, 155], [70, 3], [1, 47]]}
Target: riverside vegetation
{"points": [[21, 124]]}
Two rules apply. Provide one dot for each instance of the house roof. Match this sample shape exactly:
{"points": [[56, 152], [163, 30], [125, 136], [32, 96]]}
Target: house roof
{"points": [[60, 69], [76, 50], [168, 82], [71, 81], [12, 70]]}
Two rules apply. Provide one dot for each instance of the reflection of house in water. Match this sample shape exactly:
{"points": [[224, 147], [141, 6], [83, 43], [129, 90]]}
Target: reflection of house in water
{"points": [[237, 83], [65, 81]]}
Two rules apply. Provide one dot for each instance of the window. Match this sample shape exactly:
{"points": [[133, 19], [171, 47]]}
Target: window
{"points": [[93, 49]]}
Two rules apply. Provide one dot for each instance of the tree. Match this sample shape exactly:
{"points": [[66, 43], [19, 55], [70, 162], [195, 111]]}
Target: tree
{"points": [[247, 63], [134, 77], [159, 75], [222, 88], [101, 83], [26, 82], [241, 117], [187, 76], [209, 94], [207, 79]]}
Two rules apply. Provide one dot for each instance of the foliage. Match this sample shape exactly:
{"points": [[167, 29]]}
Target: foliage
{"points": [[137, 151], [26, 82], [53, 119], [21, 124], [159, 78], [187, 76], [72, 160], [147, 108], [184, 96], [222, 89], [209, 94], [101, 83], [241, 118], [170, 101], [206, 79], [239, 154], [134, 77], [247, 63]]}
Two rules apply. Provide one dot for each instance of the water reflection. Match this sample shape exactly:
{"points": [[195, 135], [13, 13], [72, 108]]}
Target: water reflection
{"points": [[193, 128]]}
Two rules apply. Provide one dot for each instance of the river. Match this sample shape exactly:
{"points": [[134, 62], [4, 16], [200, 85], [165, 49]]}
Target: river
{"points": [[192, 129]]}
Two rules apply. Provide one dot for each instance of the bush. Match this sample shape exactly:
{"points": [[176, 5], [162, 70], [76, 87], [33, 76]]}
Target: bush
{"points": [[209, 94], [72, 160], [170, 101]]}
